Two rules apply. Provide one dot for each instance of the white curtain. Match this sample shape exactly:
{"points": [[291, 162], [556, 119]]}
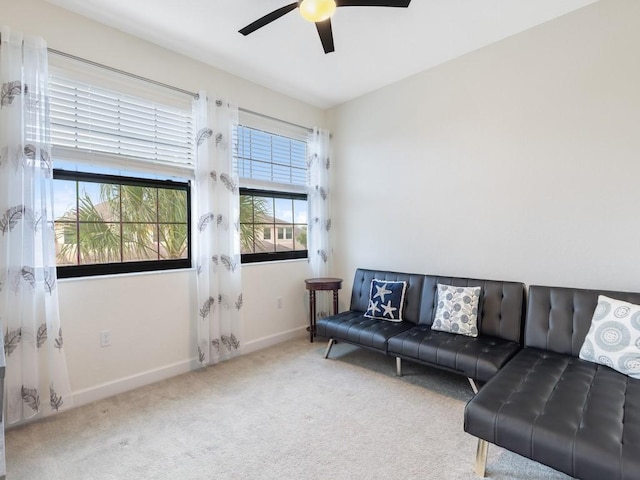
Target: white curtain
{"points": [[319, 196], [217, 236], [36, 378]]}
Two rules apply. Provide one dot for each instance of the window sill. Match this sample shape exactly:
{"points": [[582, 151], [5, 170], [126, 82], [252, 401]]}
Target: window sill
{"points": [[272, 262], [125, 275]]}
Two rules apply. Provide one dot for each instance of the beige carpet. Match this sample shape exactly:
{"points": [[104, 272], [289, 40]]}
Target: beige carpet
{"points": [[281, 413]]}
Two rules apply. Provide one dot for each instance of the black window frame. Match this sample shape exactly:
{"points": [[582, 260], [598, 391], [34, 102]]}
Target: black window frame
{"points": [[274, 256], [74, 271]]}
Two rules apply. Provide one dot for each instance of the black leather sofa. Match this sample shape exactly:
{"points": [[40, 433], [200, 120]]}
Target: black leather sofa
{"points": [[546, 404], [501, 311]]}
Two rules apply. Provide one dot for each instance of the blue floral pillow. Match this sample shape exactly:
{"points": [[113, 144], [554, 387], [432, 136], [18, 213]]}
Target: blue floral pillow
{"points": [[457, 310], [386, 300]]}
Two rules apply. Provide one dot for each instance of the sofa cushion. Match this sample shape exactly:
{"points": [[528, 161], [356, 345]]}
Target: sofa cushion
{"points": [[575, 416], [614, 336], [386, 299], [354, 327], [457, 310], [475, 357]]}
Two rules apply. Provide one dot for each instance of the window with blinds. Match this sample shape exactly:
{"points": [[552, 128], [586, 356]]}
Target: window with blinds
{"points": [[273, 201], [122, 170], [267, 157], [87, 118]]}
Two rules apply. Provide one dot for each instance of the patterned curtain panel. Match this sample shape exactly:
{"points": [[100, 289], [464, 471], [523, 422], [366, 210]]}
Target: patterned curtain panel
{"points": [[319, 195], [36, 379], [217, 237]]}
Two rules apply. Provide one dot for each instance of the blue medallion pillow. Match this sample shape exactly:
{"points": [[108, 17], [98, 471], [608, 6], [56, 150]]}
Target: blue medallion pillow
{"points": [[386, 300]]}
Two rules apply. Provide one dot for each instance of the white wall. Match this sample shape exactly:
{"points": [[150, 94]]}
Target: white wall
{"points": [[520, 161], [150, 316]]}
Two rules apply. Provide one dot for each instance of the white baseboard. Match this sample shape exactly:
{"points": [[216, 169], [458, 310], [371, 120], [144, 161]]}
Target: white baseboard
{"points": [[109, 389], [272, 340]]}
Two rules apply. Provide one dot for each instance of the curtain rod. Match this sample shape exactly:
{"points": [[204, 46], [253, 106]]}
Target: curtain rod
{"points": [[170, 87], [251, 112], [122, 72]]}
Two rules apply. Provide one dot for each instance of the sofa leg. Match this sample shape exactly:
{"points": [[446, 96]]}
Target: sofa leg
{"points": [[331, 342], [474, 387], [398, 366], [481, 457]]}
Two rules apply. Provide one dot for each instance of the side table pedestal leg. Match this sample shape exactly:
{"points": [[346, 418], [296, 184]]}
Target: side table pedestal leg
{"points": [[312, 314]]}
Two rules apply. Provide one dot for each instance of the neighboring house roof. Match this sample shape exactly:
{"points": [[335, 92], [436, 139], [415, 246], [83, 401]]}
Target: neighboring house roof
{"points": [[270, 246]]}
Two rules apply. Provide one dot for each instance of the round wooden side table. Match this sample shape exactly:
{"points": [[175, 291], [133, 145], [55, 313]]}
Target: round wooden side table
{"points": [[313, 285]]}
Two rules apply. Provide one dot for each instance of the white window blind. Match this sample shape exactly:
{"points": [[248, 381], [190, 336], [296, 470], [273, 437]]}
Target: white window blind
{"points": [[266, 157], [86, 118]]}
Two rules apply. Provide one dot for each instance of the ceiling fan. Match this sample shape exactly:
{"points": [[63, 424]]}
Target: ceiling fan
{"points": [[320, 12]]}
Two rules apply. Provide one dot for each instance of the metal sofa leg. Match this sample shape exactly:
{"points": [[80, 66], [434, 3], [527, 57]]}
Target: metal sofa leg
{"points": [[481, 457], [474, 387], [398, 366], [331, 342]]}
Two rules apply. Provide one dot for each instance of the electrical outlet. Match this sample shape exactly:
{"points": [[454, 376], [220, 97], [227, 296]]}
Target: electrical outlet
{"points": [[105, 338], [279, 302]]}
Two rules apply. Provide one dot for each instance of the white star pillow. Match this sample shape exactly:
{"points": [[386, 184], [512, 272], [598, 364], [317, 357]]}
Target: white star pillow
{"points": [[386, 300]]}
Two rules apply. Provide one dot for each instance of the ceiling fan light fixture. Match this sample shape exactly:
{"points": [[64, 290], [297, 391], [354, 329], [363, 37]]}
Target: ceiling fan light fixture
{"points": [[317, 10]]}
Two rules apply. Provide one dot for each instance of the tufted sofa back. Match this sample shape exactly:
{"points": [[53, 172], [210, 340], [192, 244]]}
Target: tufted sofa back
{"points": [[501, 304], [362, 286], [558, 319]]}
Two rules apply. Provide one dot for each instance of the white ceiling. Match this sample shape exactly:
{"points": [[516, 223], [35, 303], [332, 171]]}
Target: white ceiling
{"points": [[375, 46]]}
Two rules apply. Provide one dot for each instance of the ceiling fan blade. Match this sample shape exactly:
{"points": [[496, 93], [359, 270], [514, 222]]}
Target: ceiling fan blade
{"points": [[270, 17], [326, 35], [373, 3]]}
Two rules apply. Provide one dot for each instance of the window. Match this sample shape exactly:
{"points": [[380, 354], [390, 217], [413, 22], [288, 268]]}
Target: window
{"points": [[273, 201], [122, 166], [285, 233], [262, 212], [112, 224]]}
